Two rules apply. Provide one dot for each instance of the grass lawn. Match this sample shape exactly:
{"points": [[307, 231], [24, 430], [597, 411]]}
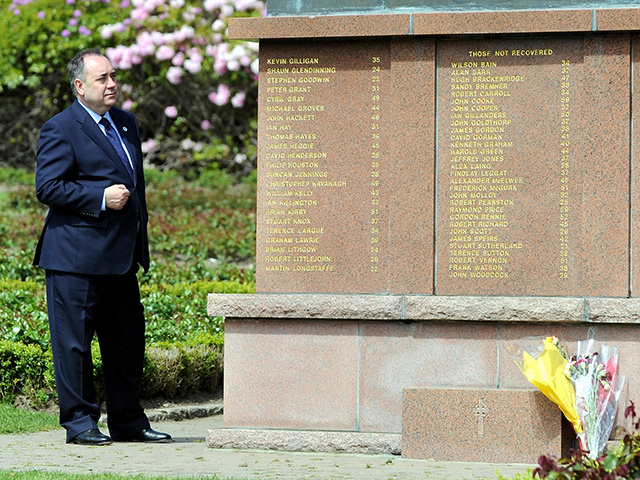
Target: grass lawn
{"points": [[15, 420]]}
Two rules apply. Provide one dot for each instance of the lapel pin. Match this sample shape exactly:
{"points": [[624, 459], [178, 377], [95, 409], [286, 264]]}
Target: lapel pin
{"points": [[125, 129]]}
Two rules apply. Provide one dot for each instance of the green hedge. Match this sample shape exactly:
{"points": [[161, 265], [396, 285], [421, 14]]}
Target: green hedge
{"points": [[171, 370], [25, 370]]}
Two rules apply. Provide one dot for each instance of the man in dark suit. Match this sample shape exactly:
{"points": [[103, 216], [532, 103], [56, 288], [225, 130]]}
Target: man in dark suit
{"points": [[89, 172]]}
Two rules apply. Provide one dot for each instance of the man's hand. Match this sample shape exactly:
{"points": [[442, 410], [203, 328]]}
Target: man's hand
{"points": [[116, 196]]}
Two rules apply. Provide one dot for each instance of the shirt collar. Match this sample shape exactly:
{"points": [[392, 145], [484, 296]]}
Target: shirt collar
{"points": [[96, 116]]}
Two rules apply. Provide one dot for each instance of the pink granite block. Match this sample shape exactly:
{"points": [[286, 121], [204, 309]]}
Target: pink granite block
{"points": [[305, 306], [338, 151], [635, 179], [398, 356], [290, 374], [320, 27], [411, 159], [476, 425], [603, 135], [533, 161], [618, 19], [502, 22]]}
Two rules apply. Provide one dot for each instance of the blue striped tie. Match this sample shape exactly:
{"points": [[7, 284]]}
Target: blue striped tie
{"points": [[115, 141]]}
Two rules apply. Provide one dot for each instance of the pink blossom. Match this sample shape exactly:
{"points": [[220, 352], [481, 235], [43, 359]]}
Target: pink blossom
{"points": [[186, 144], [139, 14], [73, 22], [220, 66], [70, 2], [144, 45], [178, 60], [148, 145], [84, 31], [77, 13], [211, 5], [192, 66], [238, 100], [189, 16], [195, 55], [218, 25], [255, 66], [223, 94], [185, 32], [106, 32], [41, 14], [174, 75], [164, 52], [115, 55], [205, 125], [65, 33], [176, 3], [17, 11], [127, 104], [171, 111], [226, 11], [125, 4]]}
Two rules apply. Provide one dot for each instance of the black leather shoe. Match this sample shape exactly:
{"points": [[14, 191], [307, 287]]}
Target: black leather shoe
{"points": [[91, 437], [149, 435]]}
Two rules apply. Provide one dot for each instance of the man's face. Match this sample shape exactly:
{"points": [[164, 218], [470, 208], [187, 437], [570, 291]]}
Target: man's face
{"points": [[99, 92]]}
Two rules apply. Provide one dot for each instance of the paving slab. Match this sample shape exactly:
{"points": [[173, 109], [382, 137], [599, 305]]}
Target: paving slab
{"points": [[190, 457]]}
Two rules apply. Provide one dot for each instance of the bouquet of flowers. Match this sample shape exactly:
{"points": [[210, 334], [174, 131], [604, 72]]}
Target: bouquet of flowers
{"points": [[586, 386], [544, 365], [597, 385]]}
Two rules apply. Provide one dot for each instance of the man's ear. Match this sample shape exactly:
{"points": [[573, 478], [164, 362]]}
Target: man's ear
{"points": [[79, 86]]}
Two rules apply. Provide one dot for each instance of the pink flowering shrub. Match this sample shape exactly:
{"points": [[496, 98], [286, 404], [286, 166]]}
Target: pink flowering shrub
{"points": [[178, 72]]}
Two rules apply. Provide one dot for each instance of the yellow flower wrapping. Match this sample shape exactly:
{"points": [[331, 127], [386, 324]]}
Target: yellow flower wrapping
{"points": [[547, 374]]}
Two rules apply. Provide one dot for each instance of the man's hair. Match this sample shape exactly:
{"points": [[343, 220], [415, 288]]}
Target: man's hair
{"points": [[75, 68]]}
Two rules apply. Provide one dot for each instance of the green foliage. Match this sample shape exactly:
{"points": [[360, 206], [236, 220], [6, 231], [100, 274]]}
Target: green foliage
{"points": [[622, 462], [23, 312], [25, 370], [212, 217], [202, 232], [34, 48], [34, 53], [16, 176], [191, 224], [174, 369], [175, 308], [40, 37]]}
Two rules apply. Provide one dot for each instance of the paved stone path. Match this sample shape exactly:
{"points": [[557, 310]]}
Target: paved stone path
{"points": [[189, 456]]}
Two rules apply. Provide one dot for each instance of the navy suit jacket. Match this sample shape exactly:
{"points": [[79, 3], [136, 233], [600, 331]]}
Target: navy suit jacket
{"points": [[75, 164]]}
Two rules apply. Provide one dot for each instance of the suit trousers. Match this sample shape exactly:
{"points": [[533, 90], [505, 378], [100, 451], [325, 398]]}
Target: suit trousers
{"points": [[79, 307]]}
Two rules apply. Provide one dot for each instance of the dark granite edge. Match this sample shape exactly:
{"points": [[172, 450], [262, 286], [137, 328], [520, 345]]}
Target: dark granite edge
{"points": [[437, 23], [424, 308]]}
